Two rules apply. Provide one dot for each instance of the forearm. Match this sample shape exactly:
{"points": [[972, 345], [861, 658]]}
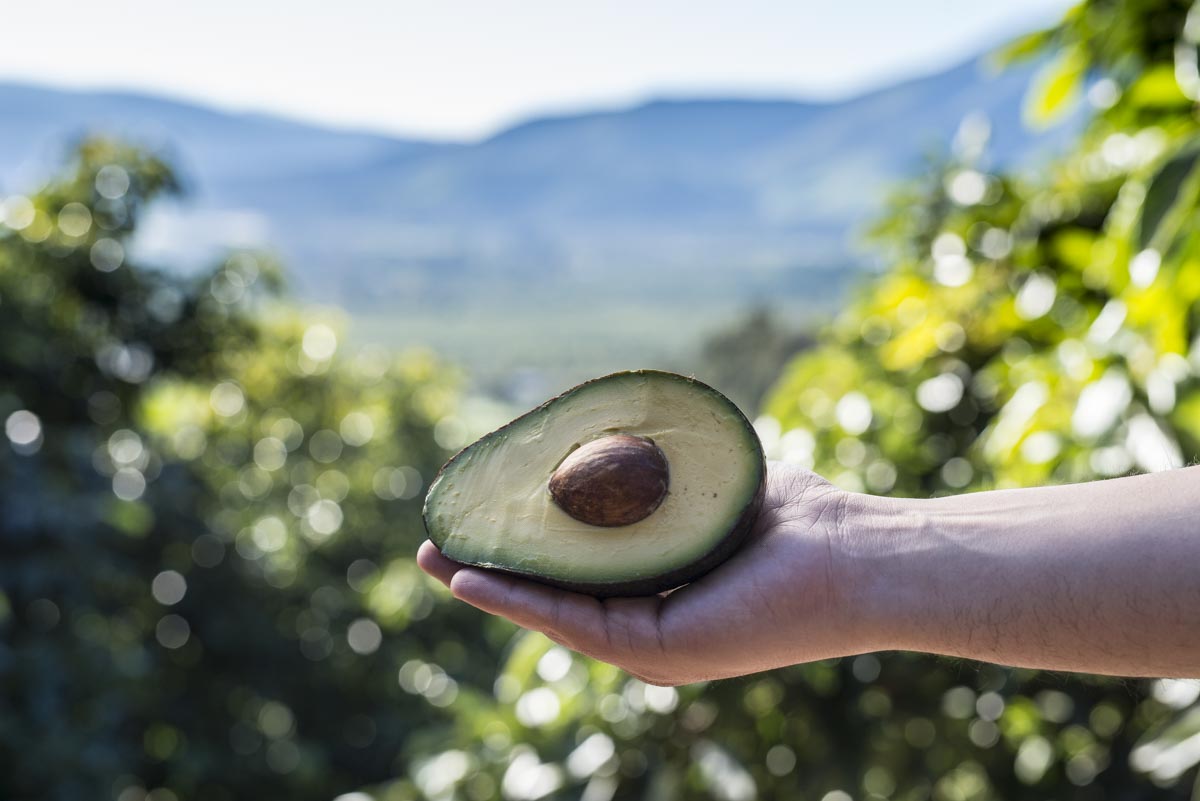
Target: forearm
{"points": [[1100, 578]]}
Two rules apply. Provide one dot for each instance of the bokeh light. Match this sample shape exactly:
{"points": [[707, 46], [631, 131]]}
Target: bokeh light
{"points": [[24, 431], [212, 499]]}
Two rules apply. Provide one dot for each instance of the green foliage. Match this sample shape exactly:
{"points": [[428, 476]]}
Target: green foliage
{"points": [[209, 516], [1035, 329], [208, 507], [1057, 87]]}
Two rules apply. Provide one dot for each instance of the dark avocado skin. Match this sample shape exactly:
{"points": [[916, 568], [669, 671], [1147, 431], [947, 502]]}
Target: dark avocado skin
{"points": [[651, 585]]}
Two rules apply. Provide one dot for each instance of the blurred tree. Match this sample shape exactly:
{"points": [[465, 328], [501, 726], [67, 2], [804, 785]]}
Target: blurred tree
{"points": [[744, 360], [208, 517], [1037, 329], [208, 509], [1033, 329]]}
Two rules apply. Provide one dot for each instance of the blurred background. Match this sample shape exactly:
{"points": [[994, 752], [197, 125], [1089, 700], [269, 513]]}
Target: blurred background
{"points": [[263, 269]]}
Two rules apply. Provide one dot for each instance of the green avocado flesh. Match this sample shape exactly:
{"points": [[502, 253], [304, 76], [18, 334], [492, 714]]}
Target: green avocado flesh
{"points": [[490, 505]]}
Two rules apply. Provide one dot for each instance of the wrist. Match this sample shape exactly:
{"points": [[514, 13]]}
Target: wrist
{"points": [[882, 597]]}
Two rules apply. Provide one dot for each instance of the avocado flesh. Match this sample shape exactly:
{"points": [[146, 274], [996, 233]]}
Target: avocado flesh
{"points": [[490, 505]]}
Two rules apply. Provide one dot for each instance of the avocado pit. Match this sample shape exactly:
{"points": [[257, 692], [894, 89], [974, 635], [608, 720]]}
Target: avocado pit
{"points": [[612, 481]]}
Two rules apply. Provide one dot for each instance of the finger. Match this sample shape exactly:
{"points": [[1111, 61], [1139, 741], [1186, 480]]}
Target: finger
{"points": [[577, 619], [430, 559]]}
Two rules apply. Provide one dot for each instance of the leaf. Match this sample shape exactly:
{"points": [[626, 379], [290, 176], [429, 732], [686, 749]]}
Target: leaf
{"points": [[1073, 247], [1056, 88], [1024, 47], [1037, 43], [1157, 88], [1163, 198]]}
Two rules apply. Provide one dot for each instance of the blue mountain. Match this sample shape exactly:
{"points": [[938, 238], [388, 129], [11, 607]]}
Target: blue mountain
{"points": [[672, 204], [39, 124]]}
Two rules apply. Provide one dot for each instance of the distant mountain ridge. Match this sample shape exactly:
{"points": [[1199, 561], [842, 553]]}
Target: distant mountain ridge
{"points": [[632, 185], [714, 203], [37, 123]]}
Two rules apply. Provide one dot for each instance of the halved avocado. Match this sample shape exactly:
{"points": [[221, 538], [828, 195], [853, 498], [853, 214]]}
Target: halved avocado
{"points": [[630, 484]]}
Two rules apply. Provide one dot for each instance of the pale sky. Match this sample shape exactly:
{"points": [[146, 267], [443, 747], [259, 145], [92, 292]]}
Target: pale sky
{"points": [[461, 69]]}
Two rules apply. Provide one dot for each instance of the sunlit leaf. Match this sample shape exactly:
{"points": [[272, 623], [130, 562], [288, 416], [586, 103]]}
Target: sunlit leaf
{"points": [[1025, 47], [1056, 89], [1173, 185], [1157, 88]]}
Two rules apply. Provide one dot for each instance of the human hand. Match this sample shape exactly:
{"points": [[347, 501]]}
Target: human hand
{"points": [[778, 601], [1021, 577]]}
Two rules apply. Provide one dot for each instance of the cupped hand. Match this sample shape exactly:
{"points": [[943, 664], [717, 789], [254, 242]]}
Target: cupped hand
{"points": [[778, 601]]}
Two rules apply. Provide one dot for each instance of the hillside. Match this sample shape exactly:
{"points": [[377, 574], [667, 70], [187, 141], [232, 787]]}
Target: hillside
{"points": [[689, 208]]}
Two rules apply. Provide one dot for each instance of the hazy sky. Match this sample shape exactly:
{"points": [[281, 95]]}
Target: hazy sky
{"points": [[463, 68]]}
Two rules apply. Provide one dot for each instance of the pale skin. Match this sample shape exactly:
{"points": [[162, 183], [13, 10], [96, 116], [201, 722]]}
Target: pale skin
{"points": [[1100, 578]]}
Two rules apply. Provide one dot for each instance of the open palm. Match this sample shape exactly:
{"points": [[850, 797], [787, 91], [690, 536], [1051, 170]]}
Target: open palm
{"points": [[776, 602]]}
